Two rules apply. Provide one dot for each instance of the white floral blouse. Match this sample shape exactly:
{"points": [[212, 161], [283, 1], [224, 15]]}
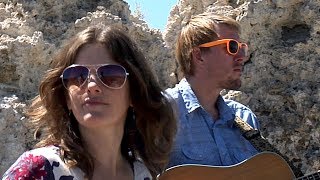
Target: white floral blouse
{"points": [[45, 163]]}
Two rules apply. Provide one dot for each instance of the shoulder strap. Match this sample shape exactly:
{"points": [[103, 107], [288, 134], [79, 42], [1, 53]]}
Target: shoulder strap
{"points": [[261, 143]]}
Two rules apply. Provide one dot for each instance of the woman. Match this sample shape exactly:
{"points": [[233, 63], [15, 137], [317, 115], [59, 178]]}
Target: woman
{"points": [[100, 112]]}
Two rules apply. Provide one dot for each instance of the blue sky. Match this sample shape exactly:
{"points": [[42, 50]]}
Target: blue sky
{"points": [[155, 12]]}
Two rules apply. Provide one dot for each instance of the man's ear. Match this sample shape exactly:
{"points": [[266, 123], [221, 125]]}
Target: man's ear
{"points": [[196, 55]]}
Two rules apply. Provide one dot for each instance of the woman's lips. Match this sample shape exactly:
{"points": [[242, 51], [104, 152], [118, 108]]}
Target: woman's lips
{"points": [[89, 102]]}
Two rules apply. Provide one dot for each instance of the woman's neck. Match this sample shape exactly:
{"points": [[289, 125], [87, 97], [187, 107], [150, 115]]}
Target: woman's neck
{"points": [[105, 147]]}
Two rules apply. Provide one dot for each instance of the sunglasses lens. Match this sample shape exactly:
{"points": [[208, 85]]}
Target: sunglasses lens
{"points": [[113, 76], [74, 76], [233, 46]]}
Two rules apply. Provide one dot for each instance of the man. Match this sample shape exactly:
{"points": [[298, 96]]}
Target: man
{"points": [[211, 57]]}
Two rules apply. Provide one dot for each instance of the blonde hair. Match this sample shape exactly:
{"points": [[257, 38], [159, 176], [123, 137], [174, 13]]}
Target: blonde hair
{"points": [[200, 29]]}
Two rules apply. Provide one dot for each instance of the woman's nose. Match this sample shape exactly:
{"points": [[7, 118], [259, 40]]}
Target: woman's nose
{"points": [[93, 84]]}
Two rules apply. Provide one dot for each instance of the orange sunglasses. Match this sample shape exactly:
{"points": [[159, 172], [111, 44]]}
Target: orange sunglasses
{"points": [[233, 45]]}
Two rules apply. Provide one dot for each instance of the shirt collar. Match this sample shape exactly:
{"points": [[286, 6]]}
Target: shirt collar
{"points": [[191, 101], [189, 98]]}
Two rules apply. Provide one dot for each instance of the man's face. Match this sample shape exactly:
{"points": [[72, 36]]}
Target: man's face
{"points": [[220, 68]]}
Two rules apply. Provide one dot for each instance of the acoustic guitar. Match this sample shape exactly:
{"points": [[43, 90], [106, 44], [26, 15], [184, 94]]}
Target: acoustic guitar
{"points": [[263, 166]]}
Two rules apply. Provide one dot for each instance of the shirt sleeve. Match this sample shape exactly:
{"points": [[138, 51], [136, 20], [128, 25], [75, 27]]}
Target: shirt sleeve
{"points": [[250, 118], [27, 166], [41, 163], [244, 113]]}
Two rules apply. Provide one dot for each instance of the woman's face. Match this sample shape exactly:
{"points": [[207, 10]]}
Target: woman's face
{"points": [[93, 104]]}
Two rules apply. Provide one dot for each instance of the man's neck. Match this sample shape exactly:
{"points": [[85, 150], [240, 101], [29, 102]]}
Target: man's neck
{"points": [[207, 95]]}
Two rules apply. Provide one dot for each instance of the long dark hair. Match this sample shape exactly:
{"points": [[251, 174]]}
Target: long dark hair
{"points": [[150, 125]]}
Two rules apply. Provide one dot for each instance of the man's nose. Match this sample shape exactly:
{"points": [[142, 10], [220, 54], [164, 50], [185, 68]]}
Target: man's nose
{"points": [[243, 54]]}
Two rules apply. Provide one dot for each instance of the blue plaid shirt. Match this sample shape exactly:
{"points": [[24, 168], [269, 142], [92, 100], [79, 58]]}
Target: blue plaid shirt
{"points": [[200, 139]]}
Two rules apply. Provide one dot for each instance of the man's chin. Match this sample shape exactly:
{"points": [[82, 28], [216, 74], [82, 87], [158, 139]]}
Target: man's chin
{"points": [[234, 85]]}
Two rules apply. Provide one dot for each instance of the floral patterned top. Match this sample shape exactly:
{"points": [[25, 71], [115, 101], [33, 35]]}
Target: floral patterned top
{"points": [[45, 163]]}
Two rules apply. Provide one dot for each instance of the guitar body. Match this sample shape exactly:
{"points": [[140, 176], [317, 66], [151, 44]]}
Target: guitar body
{"points": [[263, 166]]}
